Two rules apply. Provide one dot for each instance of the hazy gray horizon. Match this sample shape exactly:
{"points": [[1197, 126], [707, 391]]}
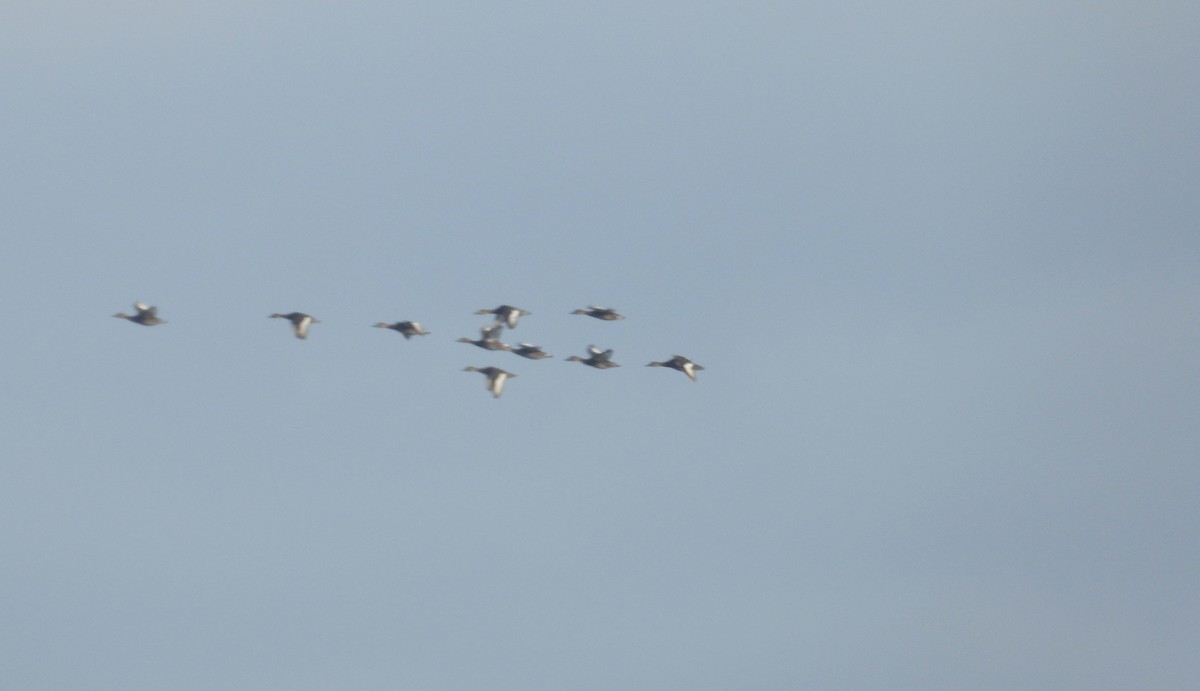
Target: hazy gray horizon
{"points": [[939, 263]]}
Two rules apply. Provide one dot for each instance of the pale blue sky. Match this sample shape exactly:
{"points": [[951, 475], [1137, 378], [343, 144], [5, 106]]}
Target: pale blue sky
{"points": [[939, 260]]}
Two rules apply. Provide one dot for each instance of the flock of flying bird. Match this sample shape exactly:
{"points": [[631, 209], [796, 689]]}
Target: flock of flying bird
{"points": [[505, 316]]}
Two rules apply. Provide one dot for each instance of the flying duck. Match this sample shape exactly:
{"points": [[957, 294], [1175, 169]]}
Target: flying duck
{"points": [[300, 322], [507, 315], [679, 362], [531, 351], [488, 338], [495, 378], [146, 315], [406, 329], [596, 358], [604, 313]]}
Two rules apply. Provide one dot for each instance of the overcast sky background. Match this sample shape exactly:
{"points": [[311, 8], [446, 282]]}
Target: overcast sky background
{"points": [[940, 261]]}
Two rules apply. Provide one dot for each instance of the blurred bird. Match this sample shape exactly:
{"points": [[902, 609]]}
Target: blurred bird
{"points": [[604, 313], [146, 315], [406, 329], [507, 315], [495, 378], [531, 351], [300, 322], [488, 338], [679, 362], [597, 358]]}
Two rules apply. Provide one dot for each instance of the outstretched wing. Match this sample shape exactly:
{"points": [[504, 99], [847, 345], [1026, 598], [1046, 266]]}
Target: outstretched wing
{"points": [[496, 382], [302, 327], [492, 332]]}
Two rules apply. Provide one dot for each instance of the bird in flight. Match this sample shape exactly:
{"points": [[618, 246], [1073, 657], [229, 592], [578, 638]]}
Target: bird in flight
{"points": [[146, 315], [300, 322], [679, 362], [495, 378], [507, 315], [596, 358], [406, 329], [604, 313]]}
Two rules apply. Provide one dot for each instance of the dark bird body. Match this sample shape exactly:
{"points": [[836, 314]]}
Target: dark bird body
{"points": [[531, 351], [406, 329], [507, 315], [488, 338], [496, 378], [679, 362], [603, 313], [596, 358], [300, 322], [145, 315]]}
